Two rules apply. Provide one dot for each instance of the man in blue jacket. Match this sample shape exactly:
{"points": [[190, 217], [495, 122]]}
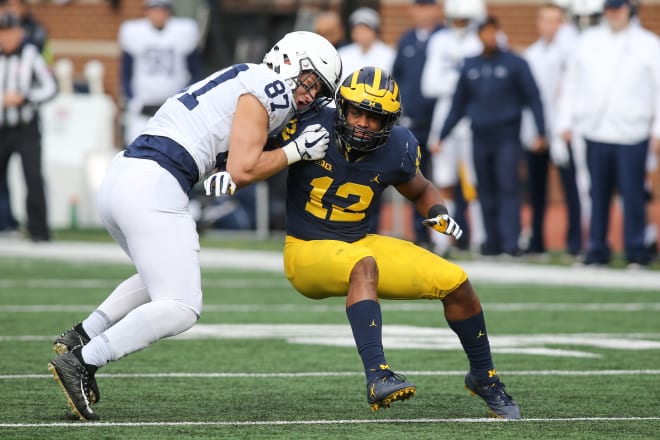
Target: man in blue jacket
{"points": [[492, 90]]}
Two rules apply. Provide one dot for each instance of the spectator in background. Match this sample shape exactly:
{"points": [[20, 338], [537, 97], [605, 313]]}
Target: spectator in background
{"points": [[492, 90], [567, 32], [417, 110], [613, 88], [547, 58], [159, 57], [36, 34], [367, 49], [453, 169], [328, 24], [22, 91]]}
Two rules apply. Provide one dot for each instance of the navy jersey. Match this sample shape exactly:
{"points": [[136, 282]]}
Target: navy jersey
{"points": [[332, 198]]}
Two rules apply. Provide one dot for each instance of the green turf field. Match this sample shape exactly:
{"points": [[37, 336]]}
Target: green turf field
{"points": [[266, 363]]}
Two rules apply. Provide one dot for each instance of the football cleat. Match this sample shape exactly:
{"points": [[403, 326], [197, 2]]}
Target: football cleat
{"points": [[74, 379], [67, 341], [70, 339], [388, 387], [501, 405]]}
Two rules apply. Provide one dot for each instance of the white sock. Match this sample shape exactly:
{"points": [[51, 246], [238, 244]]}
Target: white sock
{"points": [[97, 352], [96, 323], [139, 329]]}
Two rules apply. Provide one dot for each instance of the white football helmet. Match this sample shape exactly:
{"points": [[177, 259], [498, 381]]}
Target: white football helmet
{"points": [[587, 13], [564, 4], [465, 9], [303, 51], [583, 8]]}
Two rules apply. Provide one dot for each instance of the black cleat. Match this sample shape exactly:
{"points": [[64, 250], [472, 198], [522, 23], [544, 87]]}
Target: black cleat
{"points": [[501, 405], [67, 341], [387, 388], [74, 379], [70, 339]]}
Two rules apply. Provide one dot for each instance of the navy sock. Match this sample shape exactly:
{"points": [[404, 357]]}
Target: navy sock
{"points": [[365, 319], [474, 339]]}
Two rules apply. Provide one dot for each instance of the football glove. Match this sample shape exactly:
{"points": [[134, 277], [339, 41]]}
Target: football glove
{"points": [[440, 221], [219, 184], [311, 144]]}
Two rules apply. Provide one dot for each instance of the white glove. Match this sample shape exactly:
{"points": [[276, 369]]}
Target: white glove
{"points": [[444, 224], [311, 144], [559, 153], [219, 184]]}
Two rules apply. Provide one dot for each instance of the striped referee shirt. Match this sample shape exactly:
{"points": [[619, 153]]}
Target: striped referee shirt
{"points": [[24, 71]]}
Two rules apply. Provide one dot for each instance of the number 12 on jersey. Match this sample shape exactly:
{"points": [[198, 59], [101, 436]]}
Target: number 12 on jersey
{"points": [[351, 213]]}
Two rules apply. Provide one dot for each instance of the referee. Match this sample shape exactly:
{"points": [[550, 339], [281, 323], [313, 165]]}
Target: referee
{"points": [[25, 83]]}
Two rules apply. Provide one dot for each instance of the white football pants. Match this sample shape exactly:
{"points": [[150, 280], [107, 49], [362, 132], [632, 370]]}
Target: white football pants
{"points": [[145, 210]]}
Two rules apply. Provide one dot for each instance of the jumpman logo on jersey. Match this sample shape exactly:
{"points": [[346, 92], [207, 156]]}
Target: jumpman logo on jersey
{"points": [[373, 323], [376, 179], [480, 334]]}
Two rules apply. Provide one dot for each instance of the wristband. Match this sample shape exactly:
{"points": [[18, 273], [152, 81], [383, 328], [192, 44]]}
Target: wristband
{"points": [[437, 210], [292, 153]]}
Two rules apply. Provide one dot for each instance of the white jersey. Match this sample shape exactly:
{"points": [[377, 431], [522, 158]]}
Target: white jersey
{"points": [[159, 56], [547, 61], [445, 55], [612, 88], [200, 118], [353, 57]]}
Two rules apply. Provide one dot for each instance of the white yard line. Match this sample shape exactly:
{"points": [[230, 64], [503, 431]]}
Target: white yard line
{"points": [[580, 373], [326, 422]]}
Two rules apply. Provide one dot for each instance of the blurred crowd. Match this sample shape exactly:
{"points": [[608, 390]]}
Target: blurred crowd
{"points": [[493, 122]]}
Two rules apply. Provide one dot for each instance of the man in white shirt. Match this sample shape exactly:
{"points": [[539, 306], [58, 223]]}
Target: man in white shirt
{"points": [[547, 58], [366, 49], [612, 96]]}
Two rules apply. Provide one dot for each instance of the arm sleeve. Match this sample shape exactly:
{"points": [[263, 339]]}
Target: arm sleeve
{"points": [[458, 105], [126, 74], [194, 64], [44, 88]]}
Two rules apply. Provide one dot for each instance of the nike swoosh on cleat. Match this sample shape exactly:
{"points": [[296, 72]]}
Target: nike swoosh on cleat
{"points": [[82, 388]]}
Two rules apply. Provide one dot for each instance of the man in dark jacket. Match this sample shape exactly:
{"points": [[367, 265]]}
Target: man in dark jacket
{"points": [[492, 90]]}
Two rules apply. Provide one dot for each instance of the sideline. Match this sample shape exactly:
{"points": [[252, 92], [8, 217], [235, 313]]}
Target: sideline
{"points": [[479, 271]]}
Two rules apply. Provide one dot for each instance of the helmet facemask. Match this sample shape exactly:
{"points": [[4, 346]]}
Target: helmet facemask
{"points": [[298, 54], [370, 90], [323, 96]]}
